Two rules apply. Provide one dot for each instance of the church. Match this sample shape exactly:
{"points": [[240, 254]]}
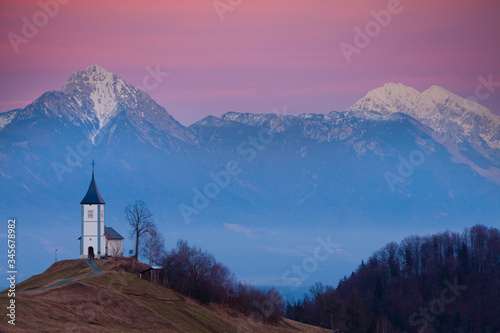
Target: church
{"points": [[96, 239]]}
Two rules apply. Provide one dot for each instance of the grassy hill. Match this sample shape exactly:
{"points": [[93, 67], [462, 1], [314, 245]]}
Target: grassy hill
{"points": [[71, 297]]}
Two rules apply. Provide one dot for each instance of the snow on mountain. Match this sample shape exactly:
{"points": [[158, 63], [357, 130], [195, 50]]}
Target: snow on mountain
{"points": [[103, 96], [476, 122], [327, 165], [354, 129], [460, 120], [7, 117], [272, 120], [94, 98], [276, 121], [101, 87]]}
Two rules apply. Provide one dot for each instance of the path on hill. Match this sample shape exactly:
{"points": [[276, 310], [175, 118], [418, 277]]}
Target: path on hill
{"points": [[97, 270]]}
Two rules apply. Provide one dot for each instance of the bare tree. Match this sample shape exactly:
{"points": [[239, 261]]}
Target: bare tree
{"points": [[140, 218], [116, 254], [153, 244]]}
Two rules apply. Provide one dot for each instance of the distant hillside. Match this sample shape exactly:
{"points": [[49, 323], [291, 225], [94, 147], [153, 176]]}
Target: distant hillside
{"points": [[70, 296]]}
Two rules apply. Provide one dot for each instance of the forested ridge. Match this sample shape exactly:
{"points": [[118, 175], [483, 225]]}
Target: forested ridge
{"points": [[447, 282], [197, 274]]}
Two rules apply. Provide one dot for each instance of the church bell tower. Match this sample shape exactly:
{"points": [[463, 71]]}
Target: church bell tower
{"points": [[92, 243]]}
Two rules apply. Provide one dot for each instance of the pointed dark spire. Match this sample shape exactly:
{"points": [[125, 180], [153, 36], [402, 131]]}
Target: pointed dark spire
{"points": [[92, 196]]}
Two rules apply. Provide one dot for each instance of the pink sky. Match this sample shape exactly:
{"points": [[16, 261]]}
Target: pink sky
{"points": [[263, 55]]}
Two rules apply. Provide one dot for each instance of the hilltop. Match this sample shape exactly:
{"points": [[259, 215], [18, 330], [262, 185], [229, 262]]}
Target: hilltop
{"points": [[71, 296]]}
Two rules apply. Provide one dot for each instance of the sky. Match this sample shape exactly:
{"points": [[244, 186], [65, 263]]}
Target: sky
{"points": [[257, 56]]}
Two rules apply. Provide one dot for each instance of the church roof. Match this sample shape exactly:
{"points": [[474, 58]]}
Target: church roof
{"points": [[112, 233], [92, 196]]}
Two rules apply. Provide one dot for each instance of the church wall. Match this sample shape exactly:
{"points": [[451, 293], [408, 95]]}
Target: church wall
{"points": [[103, 245], [93, 225], [90, 228], [115, 244]]}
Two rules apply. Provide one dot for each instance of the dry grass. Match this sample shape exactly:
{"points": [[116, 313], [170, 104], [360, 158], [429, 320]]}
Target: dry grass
{"points": [[59, 271], [129, 265], [118, 301]]}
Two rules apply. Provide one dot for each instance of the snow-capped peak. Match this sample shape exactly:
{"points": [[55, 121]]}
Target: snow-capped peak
{"points": [[394, 89], [390, 98], [105, 89], [102, 96], [439, 93], [83, 81], [444, 98], [446, 113]]}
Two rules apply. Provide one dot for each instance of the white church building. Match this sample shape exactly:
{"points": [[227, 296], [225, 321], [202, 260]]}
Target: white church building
{"points": [[96, 239]]}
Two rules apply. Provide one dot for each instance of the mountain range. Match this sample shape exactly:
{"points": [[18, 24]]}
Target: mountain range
{"points": [[397, 159], [471, 126]]}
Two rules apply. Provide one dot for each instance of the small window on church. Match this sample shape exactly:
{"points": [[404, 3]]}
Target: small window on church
{"points": [[90, 214]]}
